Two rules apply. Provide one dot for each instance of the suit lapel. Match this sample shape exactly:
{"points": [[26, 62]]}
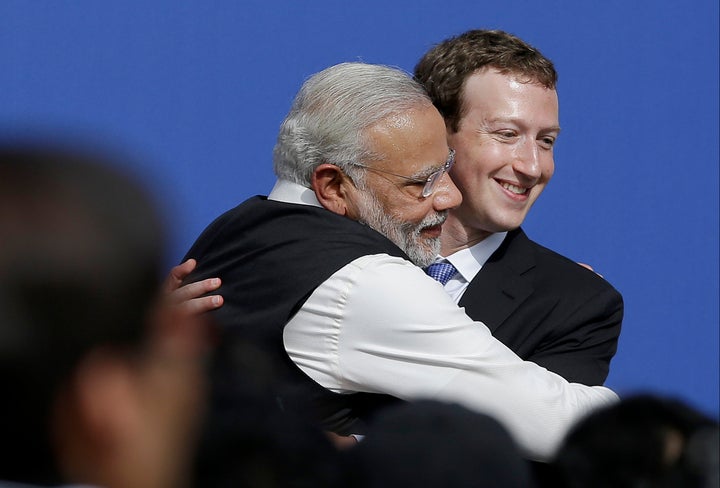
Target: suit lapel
{"points": [[503, 283]]}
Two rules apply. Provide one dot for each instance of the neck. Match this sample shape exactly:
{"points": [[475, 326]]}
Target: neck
{"points": [[457, 236]]}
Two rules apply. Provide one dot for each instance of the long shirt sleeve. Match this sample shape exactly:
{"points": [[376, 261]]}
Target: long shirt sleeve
{"points": [[380, 325]]}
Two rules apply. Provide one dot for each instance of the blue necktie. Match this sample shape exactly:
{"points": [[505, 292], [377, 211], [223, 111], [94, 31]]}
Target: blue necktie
{"points": [[441, 271]]}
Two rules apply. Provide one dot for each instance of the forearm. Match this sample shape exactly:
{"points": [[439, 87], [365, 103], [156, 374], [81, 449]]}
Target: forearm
{"points": [[536, 406], [361, 331]]}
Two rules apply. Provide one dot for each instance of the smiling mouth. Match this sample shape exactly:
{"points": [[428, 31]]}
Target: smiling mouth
{"points": [[433, 230], [517, 190]]}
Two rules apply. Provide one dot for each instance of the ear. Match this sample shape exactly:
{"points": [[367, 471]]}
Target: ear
{"points": [[332, 188], [106, 393], [93, 416]]}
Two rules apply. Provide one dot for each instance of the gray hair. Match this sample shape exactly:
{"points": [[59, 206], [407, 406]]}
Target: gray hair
{"points": [[329, 117]]}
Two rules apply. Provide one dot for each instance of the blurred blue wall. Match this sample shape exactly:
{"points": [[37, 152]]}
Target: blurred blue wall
{"points": [[198, 89]]}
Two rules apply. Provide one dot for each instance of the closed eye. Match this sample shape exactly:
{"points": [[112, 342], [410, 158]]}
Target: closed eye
{"points": [[416, 182]]}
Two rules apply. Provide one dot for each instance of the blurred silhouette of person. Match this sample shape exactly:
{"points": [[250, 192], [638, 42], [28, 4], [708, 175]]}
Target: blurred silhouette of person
{"points": [[434, 444], [102, 381], [643, 441], [249, 439]]}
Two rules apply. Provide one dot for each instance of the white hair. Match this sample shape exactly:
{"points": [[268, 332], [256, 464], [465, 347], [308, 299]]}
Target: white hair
{"points": [[329, 117]]}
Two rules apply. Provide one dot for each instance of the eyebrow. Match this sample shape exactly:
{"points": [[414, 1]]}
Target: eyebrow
{"points": [[512, 120], [425, 174]]}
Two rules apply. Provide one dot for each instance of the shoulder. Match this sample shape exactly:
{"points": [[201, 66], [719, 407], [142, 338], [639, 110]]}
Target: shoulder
{"points": [[555, 271], [390, 287], [259, 221]]}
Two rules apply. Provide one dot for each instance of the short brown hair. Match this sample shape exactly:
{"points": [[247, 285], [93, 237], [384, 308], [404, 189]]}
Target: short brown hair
{"points": [[444, 68]]}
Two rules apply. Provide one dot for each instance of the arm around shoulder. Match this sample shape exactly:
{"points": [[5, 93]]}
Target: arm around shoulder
{"points": [[400, 334]]}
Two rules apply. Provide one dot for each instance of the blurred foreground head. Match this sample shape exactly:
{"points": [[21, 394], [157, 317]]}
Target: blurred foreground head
{"points": [[434, 444], [643, 441], [101, 383]]}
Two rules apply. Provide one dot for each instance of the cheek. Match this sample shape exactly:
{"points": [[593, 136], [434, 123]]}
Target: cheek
{"points": [[488, 158], [537, 190], [413, 212], [469, 178], [398, 205], [548, 169]]}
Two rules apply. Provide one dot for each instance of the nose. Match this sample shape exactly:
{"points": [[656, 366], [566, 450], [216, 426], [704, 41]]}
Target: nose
{"points": [[446, 196], [527, 160]]}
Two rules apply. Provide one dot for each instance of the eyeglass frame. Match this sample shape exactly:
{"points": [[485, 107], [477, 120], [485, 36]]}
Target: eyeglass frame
{"points": [[430, 182]]}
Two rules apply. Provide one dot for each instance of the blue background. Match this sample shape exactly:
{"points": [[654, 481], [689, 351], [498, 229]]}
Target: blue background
{"points": [[196, 90]]}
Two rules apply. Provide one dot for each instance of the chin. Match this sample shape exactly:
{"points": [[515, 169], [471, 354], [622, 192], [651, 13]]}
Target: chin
{"points": [[424, 254], [508, 223]]}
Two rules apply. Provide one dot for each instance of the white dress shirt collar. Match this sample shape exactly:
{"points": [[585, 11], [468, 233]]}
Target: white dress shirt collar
{"points": [[289, 192], [469, 261]]}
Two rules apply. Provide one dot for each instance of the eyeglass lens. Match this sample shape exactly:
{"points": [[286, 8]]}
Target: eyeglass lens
{"points": [[435, 177]]}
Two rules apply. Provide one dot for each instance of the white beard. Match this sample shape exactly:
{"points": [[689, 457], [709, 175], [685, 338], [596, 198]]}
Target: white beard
{"points": [[405, 235]]}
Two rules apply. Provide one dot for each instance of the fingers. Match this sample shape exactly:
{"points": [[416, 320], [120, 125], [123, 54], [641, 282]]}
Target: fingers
{"points": [[178, 274], [189, 298], [201, 305], [590, 268], [341, 442], [194, 290]]}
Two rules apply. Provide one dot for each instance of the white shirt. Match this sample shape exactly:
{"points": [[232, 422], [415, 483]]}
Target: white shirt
{"points": [[381, 325], [468, 262]]}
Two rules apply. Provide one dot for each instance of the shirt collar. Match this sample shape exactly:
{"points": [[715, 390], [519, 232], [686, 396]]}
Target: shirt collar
{"points": [[469, 261], [289, 192]]}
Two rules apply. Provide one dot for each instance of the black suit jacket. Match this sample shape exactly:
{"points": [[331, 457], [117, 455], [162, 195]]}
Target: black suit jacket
{"points": [[548, 309]]}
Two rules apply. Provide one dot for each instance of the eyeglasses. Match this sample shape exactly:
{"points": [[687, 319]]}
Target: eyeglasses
{"points": [[429, 183]]}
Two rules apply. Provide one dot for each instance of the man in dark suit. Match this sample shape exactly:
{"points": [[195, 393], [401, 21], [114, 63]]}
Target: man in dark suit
{"points": [[498, 97]]}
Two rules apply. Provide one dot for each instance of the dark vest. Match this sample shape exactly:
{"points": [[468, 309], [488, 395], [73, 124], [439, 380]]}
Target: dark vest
{"points": [[270, 257]]}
